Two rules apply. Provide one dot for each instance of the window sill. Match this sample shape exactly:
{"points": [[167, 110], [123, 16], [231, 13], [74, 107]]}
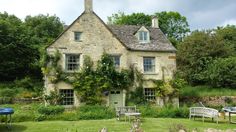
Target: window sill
{"points": [[71, 72], [150, 73], [144, 42], [78, 40]]}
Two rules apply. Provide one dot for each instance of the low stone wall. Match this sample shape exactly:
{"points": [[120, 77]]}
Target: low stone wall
{"points": [[27, 100], [7, 100], [210, 101]]}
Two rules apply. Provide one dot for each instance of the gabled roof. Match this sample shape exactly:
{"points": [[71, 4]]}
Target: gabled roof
{"points": [[126, 35], [158, 41]]}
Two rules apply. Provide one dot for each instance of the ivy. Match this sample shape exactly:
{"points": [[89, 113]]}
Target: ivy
{"points": [[92, 84]]}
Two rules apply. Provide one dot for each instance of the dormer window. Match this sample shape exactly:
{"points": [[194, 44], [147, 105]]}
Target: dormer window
{"points": [[143, 36]]}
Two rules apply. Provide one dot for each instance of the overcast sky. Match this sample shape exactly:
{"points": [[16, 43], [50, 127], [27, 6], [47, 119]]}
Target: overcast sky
{"points": [[201, 14]]}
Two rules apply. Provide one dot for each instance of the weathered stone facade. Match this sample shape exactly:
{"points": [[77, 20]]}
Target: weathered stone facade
{"points": [[96, 39]]}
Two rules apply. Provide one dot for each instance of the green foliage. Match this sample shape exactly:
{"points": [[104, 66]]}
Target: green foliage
{"points": [[92, 83], [197, 51], [54, 98], [137, 96], [15, 50], [134, 19], [8, 93], [165, 89], [222, 72], [228, 35], [95, 112], [20, 43], [26, 83], [173, 24], [166, 112], [206, 91], [51, 110]]}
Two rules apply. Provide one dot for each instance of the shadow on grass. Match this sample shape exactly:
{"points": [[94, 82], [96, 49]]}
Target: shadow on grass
{"points": [[13, 128], [209, 120]]}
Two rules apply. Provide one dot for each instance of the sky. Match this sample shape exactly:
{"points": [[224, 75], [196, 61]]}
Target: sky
{"points": [[200, 14]]}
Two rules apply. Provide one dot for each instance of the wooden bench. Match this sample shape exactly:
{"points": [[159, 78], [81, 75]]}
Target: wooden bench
{"points": [[127, 111], [203, 112]]}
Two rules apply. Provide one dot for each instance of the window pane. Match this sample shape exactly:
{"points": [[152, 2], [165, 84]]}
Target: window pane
{"points": [[149, 64], [116, 60], [67, 96], [77, 35], [143, 36], [72, 62], [150, 94]]}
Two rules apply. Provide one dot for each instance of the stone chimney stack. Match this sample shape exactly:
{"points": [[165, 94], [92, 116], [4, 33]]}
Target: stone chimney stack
{"points": [[155, 23], [88, 5]]}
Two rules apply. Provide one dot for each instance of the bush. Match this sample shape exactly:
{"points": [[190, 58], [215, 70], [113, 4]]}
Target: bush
{"points": [[26, 83], [95, 112], [23, 116], [222, 72], [6, 100], [166, 112], [51, 110], [6, 95]]}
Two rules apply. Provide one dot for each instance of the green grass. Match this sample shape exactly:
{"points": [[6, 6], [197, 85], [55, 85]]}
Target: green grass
{"points": [[203, 91], [148, 125]]}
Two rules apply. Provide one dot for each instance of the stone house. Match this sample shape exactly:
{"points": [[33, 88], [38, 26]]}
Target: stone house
{"points": [[146, 48]]}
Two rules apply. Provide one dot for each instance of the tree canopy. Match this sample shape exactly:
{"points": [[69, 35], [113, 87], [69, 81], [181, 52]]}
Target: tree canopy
{"points": [[15, 51], [200, 49], [20, 43]]}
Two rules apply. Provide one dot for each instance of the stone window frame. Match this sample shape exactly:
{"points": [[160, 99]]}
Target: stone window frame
{"points": [[77, 35], [150, 94], [72, 63], [149, 65], [67, 97]]}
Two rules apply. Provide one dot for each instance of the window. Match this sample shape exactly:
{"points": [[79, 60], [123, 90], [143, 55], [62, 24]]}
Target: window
{"points": [[143, 36], [149, 64], [72, 62], [149, 94], [115, 92], [116, 60], [67, 96], [77, 36]]}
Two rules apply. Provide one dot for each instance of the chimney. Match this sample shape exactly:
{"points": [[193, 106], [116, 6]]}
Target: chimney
{"points": [[88, 5], [155, 23]]}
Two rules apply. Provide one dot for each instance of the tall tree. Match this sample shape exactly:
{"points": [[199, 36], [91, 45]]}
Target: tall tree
{"points": [[174, 25], [228, 35], [43, 29], [15, 51], [197, 51], [20, 43]]}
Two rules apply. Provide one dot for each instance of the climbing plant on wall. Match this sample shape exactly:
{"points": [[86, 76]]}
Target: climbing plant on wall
{"points": [[92, 84]]}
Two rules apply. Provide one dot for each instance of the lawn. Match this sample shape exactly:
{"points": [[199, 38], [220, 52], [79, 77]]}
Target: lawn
{"points": [[148, 125]]}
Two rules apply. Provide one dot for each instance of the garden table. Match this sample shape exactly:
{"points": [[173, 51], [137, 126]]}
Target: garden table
{"points": [[231, 111], [135, 114]]}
